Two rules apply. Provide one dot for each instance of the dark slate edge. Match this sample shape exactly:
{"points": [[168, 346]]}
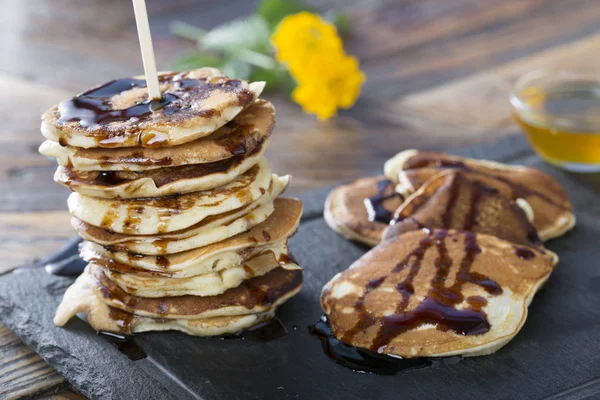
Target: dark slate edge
{"points": [[52, 344]]}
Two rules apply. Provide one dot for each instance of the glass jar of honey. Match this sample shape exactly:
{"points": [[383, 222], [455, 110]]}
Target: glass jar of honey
{"points": [[559, 112]]}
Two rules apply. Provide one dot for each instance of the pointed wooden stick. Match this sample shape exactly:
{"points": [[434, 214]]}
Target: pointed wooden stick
{"points": [[143, 28]]}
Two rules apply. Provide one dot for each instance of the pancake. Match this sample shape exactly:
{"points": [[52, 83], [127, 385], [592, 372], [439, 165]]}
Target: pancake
{"points": [[147, 216], [256, 295], [552, 213], [210, 230], [101, 256], [81, 298], [238, 137], [270, 235], [209, 284], [457, 199], [436, 293], [347, 214], [158, 182], [195, 104]]}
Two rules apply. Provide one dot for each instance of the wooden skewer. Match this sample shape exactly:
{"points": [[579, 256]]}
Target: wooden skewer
{"points": [[143, 28]]}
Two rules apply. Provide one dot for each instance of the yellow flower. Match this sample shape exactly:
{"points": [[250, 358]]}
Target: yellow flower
{"points": [[300, 35], [327, 78], [338, 86]]}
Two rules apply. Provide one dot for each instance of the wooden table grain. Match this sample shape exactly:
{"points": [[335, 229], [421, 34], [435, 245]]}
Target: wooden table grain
{"points": [[439, 73]]}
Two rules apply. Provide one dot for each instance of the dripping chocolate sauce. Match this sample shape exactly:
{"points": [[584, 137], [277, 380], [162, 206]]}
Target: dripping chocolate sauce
{"points": [[374, 204], [108, 178], [125, 344], [269, 330], [264, 332], [363, 360]]}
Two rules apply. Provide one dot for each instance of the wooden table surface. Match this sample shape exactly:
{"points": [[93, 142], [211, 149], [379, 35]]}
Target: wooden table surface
{"points": [[439, 73]]}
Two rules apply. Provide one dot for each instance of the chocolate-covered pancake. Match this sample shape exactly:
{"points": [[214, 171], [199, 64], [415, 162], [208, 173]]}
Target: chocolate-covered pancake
{"points": [[147, 216], [212, 229], [208, 284], [158, 182], [255, 295], [118, 114], [436, 293], [239, 137], [270, 235], [81, 298], [552, 213], [361, 210], [459, 199]]}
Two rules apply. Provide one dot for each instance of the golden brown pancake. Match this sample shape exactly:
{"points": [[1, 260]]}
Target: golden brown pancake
{"points": [[552, 211], [270, 235], [147, 216], [347, 214], [236, 138], [158, 182], [436, 293], [457, 199], [212, 229], [209, 284], [81, 298], [255, 295], [196, 104]]}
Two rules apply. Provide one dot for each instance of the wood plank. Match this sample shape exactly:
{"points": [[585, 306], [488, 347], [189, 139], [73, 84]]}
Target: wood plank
{"points": [[466, 46], [22, 372], [47, 230], [479, 103], [414, 23]]}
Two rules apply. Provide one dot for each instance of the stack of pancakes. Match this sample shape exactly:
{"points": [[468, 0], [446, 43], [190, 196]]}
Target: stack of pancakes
{"points": [[183, 225], [458, 254]]}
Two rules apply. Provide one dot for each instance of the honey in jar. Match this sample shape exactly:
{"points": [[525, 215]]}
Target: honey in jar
{"points": [[559, 113]]}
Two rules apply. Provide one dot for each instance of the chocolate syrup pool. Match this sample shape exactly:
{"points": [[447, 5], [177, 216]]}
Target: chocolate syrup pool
{"points": [[362, 360], [93, 107]]}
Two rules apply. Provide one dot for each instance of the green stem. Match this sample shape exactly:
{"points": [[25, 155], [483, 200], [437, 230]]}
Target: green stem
{"points": [[255, 58], [187, 31]]}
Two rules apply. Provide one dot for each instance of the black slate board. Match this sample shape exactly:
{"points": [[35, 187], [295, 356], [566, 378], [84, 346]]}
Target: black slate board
{"points": [[556, 355]]}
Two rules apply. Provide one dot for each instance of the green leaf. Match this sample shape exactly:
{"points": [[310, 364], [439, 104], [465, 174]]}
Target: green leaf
{"points": [[274, 77], [197, 60], [273, 11], [249, 33], [236, 69]]}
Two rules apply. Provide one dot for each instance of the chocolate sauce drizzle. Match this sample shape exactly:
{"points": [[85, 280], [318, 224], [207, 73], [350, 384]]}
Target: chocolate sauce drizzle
{"points": [[524, 253], [470, 221], [93, 107], [519, 190], [374, 204], [439, 306]]}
